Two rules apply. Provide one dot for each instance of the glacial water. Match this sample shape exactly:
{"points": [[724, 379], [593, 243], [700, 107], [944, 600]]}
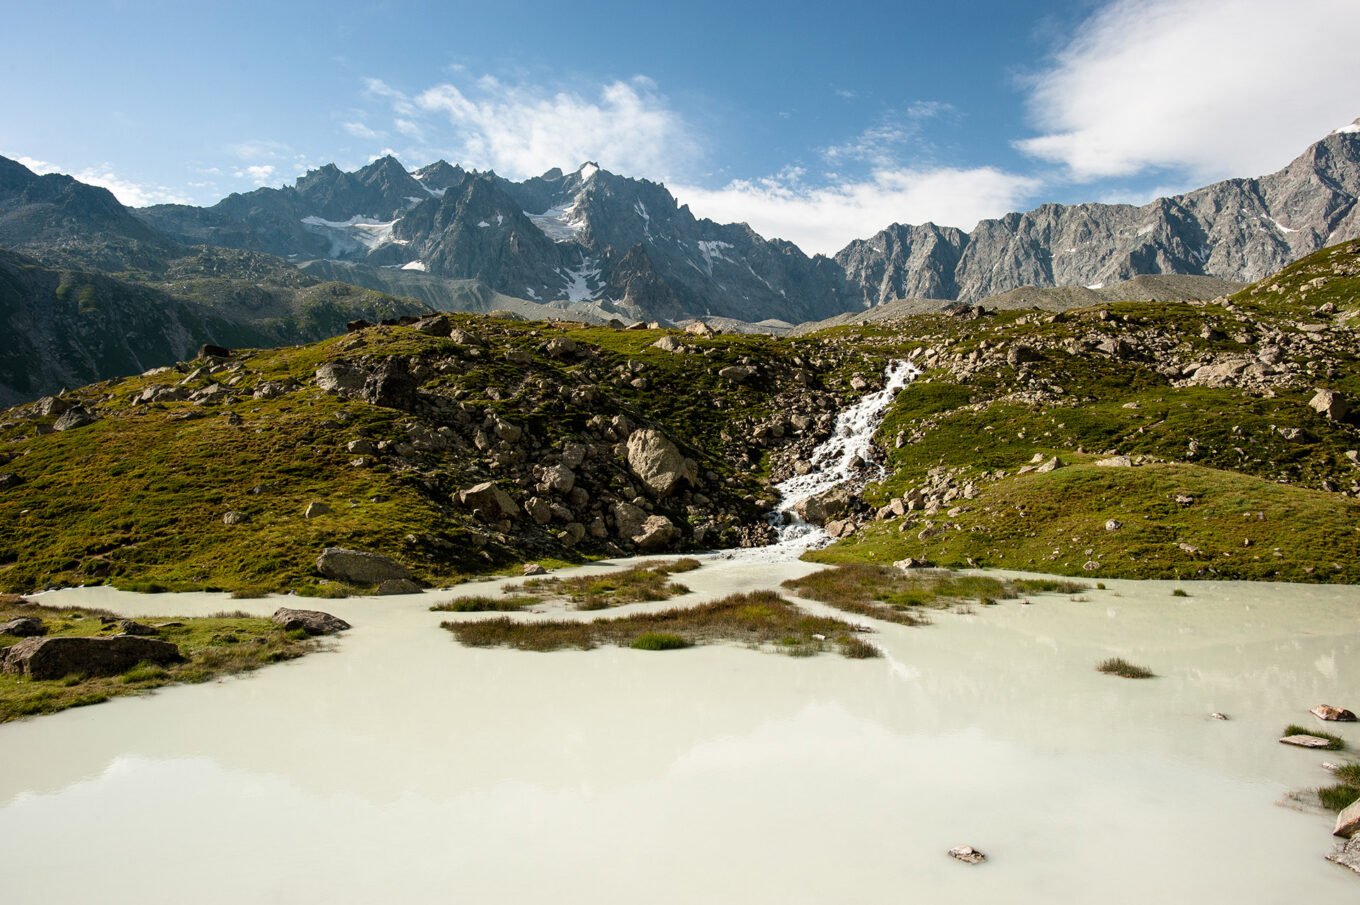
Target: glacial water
{"points": [[402, 767]]}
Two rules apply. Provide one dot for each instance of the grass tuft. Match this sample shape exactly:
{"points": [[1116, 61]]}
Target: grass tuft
{"points": [[659, 641], [1117, 666], [1334, 742], [760, 619], [483, 604]]}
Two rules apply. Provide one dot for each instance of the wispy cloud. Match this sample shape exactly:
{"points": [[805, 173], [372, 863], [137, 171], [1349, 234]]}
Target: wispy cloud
{"points": [[359, 130], [825, 217], [1212, 88], [260, 174], [896, 135], [522, 129], [132, 194]]}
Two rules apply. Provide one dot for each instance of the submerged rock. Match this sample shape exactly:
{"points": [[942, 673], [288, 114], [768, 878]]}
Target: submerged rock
{"points": [[1305, 741], [53, 658], [967, 854], [313, 622], [398, 586], [1347, 855]]}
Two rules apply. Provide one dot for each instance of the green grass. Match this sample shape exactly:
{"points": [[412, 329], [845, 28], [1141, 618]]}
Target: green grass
{"points": [[1345, 791], [213, 646], [1117, 666], [638, 584], [760, 619], [888, 593], [1334, 742], [484, 604], [659, 641]]}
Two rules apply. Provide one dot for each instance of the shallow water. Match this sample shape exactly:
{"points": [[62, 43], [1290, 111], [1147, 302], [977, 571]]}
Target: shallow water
{"points": [[403, 767]]}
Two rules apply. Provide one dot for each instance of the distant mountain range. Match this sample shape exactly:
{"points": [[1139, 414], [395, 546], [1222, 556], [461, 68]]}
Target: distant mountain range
{"points": [[280, 264]]}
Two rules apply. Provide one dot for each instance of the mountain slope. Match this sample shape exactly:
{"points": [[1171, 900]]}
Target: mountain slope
{"points": [[1239, 229]]}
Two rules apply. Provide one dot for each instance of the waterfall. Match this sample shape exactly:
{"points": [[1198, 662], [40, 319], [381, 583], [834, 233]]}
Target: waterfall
{"points": [[841, 457]]}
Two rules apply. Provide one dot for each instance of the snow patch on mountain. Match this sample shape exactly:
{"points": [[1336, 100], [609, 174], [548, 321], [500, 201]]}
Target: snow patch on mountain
{"points": [[415, 265], [712, 251], [578, 288], [353, 235], [561, 224]]}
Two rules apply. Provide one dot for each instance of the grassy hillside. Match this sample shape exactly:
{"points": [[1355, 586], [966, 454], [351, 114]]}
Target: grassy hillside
{"points": [[1154, 439], [1232, 473]]}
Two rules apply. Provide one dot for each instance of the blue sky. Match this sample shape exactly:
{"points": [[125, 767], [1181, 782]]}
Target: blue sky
{"points": [[818, 123]]}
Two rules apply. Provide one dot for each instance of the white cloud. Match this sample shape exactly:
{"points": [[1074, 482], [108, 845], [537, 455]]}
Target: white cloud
{"points": [[127, 192], [359, 130], [522, 130], [826, 218], [260, 174], [1214, 87]]}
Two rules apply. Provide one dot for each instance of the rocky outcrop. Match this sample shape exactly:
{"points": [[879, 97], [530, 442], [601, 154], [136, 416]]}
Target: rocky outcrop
{"points": [[1327, 712], [359, 567], [313, 622], [54, 658]]}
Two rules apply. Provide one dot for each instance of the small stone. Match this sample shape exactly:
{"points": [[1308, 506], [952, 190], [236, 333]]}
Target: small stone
{"points": [[967, 854], [1218, 716], [235, 517], [534, 568], [1113, 524], [1328, 713], [315, 508], [397, 586]]}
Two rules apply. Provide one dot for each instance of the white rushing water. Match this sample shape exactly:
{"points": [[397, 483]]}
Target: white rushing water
{"points": [[846, 455], [402, 767]]}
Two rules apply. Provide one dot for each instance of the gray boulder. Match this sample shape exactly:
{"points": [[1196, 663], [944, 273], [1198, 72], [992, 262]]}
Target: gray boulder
{"points": [[493, 502], [53, 658], [657, 462], [74, 418], [359, 567], [1348, 855], [313, 622], [628, 519], [23, 627], [339, 377], [656, 533]]}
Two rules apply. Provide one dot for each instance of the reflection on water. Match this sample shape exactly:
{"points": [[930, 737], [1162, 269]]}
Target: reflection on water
{"points": [[403, 767]]}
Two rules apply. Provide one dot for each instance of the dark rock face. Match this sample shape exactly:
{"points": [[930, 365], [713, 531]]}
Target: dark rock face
{"points": [[391, 386], [313, 622], [53, 658], [359, 567]]}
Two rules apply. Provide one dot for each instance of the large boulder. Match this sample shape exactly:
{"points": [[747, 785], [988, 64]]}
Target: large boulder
{"points": [[313, 622], [74, 418], [339, 377], [658, 463], [559, 478], [1329, 404], [656, 533], [490, 500], [391, 386], [359, 567], [53, 658], [820, 509]]}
